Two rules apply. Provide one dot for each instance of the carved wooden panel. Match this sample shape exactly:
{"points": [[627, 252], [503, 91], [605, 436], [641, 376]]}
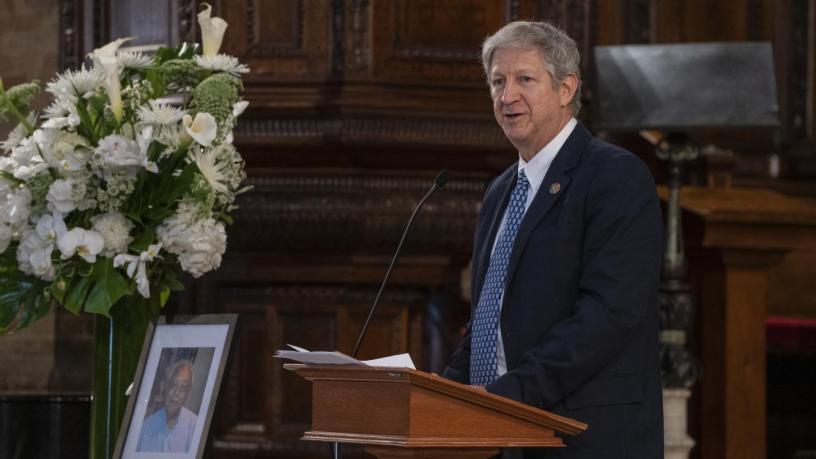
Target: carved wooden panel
{"points": [[283, 40], [403, 50]]}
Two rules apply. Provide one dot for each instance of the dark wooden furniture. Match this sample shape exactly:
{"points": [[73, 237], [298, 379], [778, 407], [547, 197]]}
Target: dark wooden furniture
{"points": [[409, 413], [735, 237]]}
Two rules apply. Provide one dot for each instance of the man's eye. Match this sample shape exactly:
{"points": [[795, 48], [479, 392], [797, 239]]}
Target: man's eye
{"points": [[497, 82], [525, 79]]}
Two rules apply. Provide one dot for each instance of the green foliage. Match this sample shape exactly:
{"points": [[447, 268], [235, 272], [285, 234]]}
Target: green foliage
{"points": [[21, 296], [183, 51], [109, 287], [17, 100], [216, 95], [180, 73], [156, 195]]}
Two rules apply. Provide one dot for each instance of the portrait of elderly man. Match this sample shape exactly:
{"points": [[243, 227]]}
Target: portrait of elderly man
{"points": [[171, 427], [568, 250]]}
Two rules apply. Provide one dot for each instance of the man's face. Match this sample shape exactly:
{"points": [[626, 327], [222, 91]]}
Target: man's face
{"points": [[177, 389], [527, 107]]}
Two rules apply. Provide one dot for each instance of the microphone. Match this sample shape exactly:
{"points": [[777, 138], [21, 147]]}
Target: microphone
{"points": [[439, 182]]}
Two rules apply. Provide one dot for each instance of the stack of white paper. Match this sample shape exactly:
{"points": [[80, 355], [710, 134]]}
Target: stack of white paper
{"points": [[338, 358]]}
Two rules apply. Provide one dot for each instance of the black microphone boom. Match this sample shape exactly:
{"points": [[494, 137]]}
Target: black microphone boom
{"points": [[439, 182]]}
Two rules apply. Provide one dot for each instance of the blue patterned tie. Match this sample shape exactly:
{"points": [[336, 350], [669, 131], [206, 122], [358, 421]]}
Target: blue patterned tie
{"points": [[483, 331]]}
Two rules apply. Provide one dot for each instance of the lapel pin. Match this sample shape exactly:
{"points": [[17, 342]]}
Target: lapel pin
{"points": [[555, 188]]}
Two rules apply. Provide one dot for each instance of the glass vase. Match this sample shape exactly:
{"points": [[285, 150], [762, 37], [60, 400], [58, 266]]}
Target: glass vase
{"points": [[118, 341]]}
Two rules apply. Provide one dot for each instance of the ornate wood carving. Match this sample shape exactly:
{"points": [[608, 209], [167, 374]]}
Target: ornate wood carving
{"points": [[282, 39], [354, 213], [404, 50], [483, 134]]}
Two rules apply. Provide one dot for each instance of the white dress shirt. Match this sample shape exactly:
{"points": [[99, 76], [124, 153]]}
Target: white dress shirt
{"points": [[535, 170]]}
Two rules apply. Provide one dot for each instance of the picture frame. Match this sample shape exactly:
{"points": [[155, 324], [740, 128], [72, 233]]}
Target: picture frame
{"points": [[175, 387]]}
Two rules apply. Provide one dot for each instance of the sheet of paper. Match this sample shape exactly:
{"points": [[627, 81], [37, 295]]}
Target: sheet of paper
{"points": [[392, 361], [302, 355]]}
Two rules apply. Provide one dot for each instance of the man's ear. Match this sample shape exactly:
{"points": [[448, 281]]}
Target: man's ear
{"points": [[569, 86]]}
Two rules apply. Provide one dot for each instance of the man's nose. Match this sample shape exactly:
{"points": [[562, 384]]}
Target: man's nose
{"points": [[510, 92]]}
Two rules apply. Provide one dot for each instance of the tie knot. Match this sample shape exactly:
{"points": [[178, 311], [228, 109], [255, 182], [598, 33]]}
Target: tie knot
{"points": [[522, 179]]}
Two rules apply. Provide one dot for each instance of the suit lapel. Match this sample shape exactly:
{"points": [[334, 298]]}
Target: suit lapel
{"points": [[504, 187], [566, 159]]}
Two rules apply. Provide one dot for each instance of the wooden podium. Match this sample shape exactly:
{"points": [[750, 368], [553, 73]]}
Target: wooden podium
{"points": [[403, 413]]}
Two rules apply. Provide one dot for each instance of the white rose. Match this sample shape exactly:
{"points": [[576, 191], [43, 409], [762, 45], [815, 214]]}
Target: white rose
{"points": [[68, 152], [29, 243], [115, 231], [63, 195], [5, 237]]}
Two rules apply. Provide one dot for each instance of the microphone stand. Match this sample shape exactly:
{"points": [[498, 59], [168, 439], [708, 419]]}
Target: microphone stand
{"points": [[439, 182]]}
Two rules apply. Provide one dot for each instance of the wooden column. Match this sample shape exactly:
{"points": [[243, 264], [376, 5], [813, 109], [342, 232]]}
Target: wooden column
{"points": [[742, 234]]}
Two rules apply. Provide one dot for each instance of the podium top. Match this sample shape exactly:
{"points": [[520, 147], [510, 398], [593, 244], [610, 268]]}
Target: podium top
{"points": [[468, 394]]}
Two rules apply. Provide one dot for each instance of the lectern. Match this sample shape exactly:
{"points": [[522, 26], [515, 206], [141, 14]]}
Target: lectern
{"points": [[403, 413]]}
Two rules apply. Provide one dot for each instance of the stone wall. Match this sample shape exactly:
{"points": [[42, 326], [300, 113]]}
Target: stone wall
{"points": [[28, 50]]}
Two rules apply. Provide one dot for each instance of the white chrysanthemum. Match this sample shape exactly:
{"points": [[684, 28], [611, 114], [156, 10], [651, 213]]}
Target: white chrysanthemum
{"points": [[115, 230], [159, 114], [134, 60], [172, 229], [222, 63], [74, 84], [203, 245], [61, 114], [211, 168]]}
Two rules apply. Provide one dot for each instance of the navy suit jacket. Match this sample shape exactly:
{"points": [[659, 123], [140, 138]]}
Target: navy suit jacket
{"points": [[579, 317]]}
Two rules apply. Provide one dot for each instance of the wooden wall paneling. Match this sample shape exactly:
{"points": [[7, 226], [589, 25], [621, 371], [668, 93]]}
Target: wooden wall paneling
{"points": [[404, 51]]}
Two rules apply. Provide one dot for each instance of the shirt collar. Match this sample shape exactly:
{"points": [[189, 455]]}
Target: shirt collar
{"points": [[537, 168]]}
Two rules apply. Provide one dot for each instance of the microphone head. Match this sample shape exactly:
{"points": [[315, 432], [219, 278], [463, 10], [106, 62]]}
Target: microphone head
{"points": [[441, 178]]}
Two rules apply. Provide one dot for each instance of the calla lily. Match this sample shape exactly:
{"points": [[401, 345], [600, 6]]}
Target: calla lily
{"points": [[137, 267], [87, 244], [202, 129], [212, 31], [105, 57]]}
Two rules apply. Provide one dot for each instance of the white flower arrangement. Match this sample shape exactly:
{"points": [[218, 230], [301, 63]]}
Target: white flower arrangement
{"points": [[114, 190]]}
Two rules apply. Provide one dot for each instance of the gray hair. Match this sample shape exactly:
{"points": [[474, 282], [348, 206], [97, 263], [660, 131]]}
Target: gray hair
{"points": [[558, 51], [177, 366]]}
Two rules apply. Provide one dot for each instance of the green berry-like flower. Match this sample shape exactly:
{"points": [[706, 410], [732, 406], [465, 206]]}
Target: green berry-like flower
{"points": [[20, 97], [180, 73], [216, 95]]}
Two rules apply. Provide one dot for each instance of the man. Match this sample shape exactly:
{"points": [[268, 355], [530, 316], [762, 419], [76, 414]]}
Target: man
{"points": [[566, 261], [170, 429]]}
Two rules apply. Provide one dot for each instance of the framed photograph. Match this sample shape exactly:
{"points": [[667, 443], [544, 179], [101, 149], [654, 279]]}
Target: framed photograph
{"points": [[176, 384]]}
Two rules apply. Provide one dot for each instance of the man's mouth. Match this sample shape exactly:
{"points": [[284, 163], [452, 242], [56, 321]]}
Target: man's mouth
{"points": [[512, 116]]}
